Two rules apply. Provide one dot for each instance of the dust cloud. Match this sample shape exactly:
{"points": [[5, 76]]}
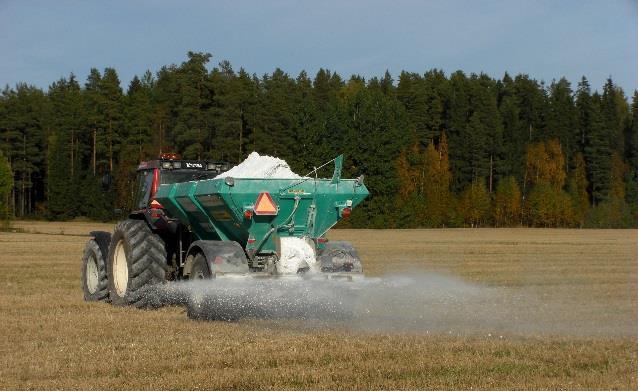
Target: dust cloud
{"points": [[417, 303]]}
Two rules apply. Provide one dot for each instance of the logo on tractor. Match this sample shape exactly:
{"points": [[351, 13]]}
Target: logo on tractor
{"points": [[194, 165]]}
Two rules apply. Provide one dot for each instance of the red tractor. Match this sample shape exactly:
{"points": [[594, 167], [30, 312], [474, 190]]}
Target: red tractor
{"points": [[147, 224]]}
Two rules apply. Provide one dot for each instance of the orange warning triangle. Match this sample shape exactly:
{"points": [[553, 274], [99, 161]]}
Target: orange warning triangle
{"points": [[265, 205]]}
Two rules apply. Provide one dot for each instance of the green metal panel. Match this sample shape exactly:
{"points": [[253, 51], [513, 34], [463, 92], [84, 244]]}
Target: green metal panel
{"points": [[214, 209]]}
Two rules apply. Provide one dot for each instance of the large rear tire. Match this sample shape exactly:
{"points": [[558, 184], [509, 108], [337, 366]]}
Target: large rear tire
{"points": [[94, 278], [137, 260]]}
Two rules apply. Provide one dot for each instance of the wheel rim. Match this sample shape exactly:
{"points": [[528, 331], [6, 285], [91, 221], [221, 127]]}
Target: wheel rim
{"points": [[91, 274], [120, 269]]}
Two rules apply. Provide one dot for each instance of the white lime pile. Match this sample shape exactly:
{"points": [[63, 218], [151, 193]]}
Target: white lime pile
{"points": [[261, 166]]}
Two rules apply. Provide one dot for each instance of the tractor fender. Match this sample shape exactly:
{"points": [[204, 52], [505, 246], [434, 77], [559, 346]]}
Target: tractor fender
{"points": [[103, 240], [221, 256]]}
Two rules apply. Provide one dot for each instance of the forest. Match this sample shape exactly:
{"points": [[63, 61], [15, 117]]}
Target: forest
{"points": [[436, 150]]}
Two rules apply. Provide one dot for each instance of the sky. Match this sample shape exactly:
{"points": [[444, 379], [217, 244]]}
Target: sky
{"points": [[42, 41]]}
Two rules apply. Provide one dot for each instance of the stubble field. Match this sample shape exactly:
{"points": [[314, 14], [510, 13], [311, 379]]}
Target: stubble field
{"points": [[565, 317]]}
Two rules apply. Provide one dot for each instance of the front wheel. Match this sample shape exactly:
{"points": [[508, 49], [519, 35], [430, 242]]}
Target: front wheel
{"points": [[94, 279], [137, 259]]}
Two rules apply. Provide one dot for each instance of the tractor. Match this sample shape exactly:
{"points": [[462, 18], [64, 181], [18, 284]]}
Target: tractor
{"points": [[191, 222]]}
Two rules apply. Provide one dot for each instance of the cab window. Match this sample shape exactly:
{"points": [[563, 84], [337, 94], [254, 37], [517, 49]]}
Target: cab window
{"points": [[177, 176], [144, 185]]}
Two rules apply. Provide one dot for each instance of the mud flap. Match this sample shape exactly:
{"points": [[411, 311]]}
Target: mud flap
{"points": [[222, 257], [339, 257]]}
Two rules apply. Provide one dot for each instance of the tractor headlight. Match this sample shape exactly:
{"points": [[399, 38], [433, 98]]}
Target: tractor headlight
{"points": [[166, 164], [177, 164], [210, 166]]}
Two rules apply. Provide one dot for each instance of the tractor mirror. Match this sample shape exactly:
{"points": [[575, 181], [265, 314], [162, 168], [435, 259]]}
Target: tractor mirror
{"points": [[106, 181]]}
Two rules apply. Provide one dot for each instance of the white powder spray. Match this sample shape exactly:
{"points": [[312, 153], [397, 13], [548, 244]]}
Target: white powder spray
{"points": [[261, 166], [419, 302]]}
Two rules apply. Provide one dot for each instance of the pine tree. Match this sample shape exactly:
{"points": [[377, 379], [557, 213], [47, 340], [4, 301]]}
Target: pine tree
{"points": [[532, 102], [138, 117], [424, 100], [307, 122], [6, 184], [274, 133], [387, 85], [632, 137], [326, 86], [23, 134], [191, 129], [482, 140], [111, 110]]}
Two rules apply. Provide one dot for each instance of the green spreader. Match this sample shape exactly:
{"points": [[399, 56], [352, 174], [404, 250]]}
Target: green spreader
{"points": [[260, 215]]}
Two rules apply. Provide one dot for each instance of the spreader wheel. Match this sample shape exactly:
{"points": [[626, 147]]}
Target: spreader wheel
{"points": [[200, 269]]}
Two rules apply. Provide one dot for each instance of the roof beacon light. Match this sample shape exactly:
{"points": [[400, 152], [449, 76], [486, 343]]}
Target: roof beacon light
{"points": [[169, 156], [265, 205]]}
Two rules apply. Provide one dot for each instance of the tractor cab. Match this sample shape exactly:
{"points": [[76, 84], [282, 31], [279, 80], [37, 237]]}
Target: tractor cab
{"points": [[168, 169]]}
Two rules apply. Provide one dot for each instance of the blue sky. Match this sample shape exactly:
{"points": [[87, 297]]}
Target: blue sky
{"points": [[41, 41]]}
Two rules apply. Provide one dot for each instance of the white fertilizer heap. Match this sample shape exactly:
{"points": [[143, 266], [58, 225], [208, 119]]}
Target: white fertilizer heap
{"points": [[261, 166]]}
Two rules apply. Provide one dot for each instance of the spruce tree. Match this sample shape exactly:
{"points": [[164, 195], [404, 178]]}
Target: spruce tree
{"points": [[457, 118], [514, 132], [598, 152], [615, 112], [562, 118], [63, 155]]}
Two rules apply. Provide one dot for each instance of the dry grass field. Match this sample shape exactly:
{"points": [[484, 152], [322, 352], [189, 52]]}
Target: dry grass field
{"points": [[52, 339]]}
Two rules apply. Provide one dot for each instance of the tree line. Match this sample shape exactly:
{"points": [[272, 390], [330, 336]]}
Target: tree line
{"points": [[436, 150]]}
